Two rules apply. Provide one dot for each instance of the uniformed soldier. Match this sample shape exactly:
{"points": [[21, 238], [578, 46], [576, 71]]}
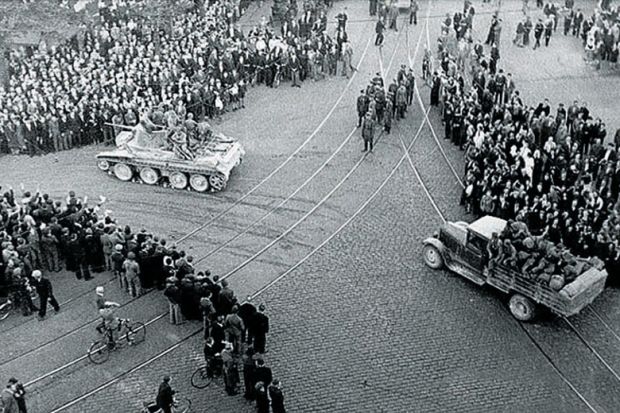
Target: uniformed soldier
{"points": [[362, 107], [368, 131]]}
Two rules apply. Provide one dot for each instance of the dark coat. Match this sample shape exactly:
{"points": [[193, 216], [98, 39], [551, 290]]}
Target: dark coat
{"points": [[263, 374]]}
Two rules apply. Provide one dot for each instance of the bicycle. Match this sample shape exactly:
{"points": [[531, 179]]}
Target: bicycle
{"points": [[99, 351], [201, 379], [179, 406]]}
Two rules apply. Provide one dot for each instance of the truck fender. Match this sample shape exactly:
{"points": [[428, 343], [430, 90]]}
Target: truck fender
{"points": [[435, 243]]}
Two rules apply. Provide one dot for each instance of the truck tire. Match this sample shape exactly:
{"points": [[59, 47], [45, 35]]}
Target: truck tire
{"points": [[433, 257], [522, 308]]}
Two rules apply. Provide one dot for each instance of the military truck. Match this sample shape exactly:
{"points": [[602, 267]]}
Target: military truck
{"points": [[164, 156], [461, 247]]}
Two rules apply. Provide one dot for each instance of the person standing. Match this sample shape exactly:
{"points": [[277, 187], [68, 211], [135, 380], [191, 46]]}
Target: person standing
{"points": [[548, 29], [262, 373], [401, 101], [538, 31], [8, 402], [527, 29], [46, 293], [379, 28], [20, 396], [368, 131], [249, 371], [165, 396], [262, 399], [231, 370], [276, 396], [132, 273], [413, 12], [372, 7]]}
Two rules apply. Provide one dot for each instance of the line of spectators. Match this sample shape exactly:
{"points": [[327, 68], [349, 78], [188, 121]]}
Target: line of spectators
{"points": [[63, 97], [547, 168], [235, 333]]}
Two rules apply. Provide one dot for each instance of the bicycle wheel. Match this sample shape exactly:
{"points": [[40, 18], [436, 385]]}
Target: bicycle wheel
{"points": [[200, 380], [99, 352], [136, 332], [5, 310], [182, 406]]}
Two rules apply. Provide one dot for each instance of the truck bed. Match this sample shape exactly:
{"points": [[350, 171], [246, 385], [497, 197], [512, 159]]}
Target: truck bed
{"points": [[570, 300]]}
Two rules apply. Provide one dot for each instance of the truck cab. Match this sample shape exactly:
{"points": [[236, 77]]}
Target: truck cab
{"points": [[462, 247]]}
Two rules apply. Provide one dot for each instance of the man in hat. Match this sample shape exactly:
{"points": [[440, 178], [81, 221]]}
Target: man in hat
{"points": [[165, 395], [46, 293], [368, 132], [260, 328], [8, 402]]}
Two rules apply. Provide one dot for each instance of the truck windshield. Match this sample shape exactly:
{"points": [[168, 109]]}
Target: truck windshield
{"points": [[477, 243]]}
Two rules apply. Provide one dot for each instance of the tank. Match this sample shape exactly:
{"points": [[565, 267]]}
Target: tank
{"points": [[196, 158]]}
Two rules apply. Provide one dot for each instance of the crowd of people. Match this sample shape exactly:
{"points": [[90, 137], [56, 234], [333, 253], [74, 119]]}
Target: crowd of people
{"points": [[548, 168], [202, 63], [234, 333], [601, 36], [599, 32], [39, 234]]}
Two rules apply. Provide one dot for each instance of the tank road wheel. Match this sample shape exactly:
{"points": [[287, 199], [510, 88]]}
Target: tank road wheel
{"points": [[178, 180], [103, 165], [149, 176], [199, 183], [522, 308], [217, 182], [432, 257], [123, 172]]}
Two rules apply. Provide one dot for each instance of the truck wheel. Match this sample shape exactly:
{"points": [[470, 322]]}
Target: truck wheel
{"points": [[522, 308], [178, 180], [198, 183], [432, 257], [103, 165], [217, 182], [123, 172], [149, 175]]}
